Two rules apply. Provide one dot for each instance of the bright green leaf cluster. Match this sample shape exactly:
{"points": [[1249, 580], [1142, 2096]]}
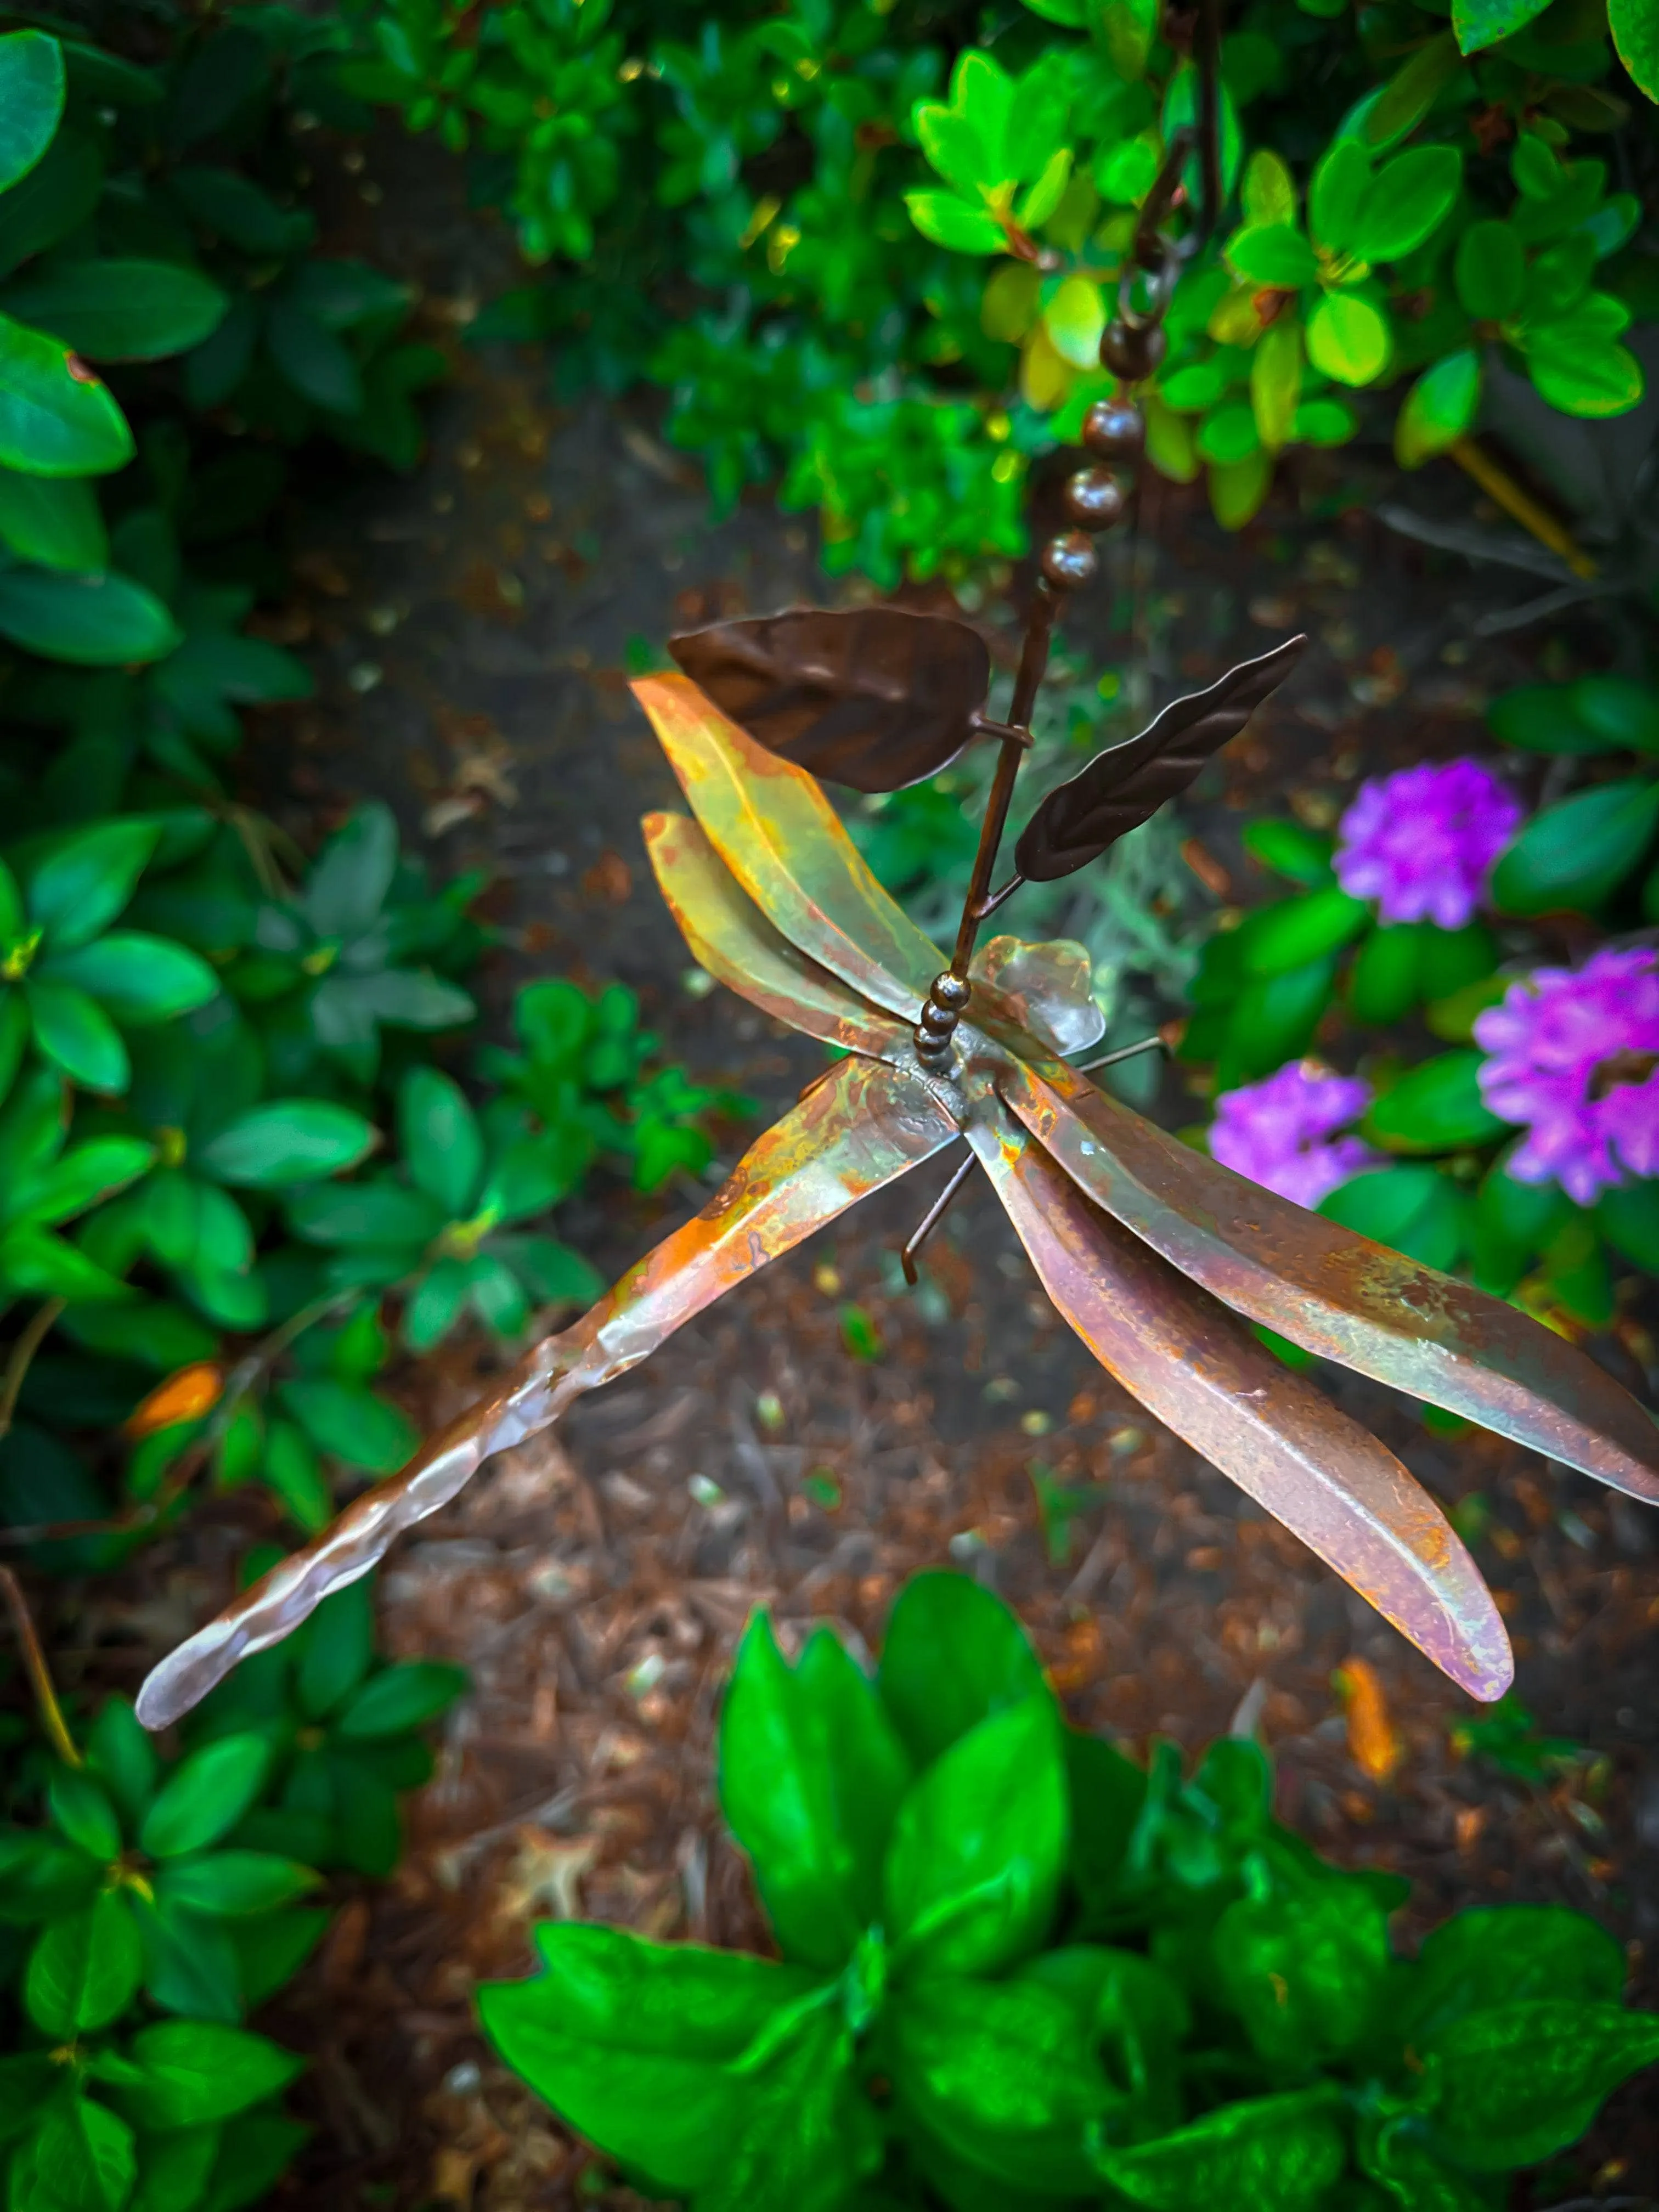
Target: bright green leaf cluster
{"points": [[1018, 1968]]}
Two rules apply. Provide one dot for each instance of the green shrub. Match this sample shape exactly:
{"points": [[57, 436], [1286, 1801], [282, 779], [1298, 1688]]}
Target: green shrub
{"points": [[888, 252], [1018, 1968], [153, 1902]]}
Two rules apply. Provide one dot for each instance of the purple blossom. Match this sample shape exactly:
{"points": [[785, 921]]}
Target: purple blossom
{"points": [[1575, 1058], [1420, 842], [1280, 1132]]}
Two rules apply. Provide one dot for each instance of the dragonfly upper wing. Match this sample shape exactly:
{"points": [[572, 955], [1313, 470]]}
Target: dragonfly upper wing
{"points": [[729, 935], [1337, 1294], [1191, 1363], [861, 1128], [772, 825]]}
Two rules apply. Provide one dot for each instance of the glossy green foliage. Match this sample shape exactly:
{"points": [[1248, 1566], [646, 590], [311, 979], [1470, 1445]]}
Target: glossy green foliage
{"points": [[149, 1903], [1019, 1968], [904, 231]]}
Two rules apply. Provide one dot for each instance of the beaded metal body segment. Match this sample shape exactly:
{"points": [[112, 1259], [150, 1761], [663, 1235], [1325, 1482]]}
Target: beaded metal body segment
{"points": [[1159, 1257]]}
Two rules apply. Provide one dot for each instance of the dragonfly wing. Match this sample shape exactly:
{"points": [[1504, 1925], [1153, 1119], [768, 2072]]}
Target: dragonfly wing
{"points": [[772, 825], [1337, 1294], [729, 936], [1047, 989], [1191, 1363], [861, 1128]]}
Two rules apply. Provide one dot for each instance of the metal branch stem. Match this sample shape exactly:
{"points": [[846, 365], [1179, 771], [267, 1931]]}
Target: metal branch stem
{"points": [[1033, 665], [35, 1667]]}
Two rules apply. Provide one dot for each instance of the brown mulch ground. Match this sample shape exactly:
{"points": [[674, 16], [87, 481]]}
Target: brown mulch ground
{"points": [[470, 630]]}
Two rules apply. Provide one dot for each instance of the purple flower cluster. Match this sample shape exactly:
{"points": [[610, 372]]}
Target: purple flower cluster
{"points": [[1574, 1058], [1281, 1133], [1420, 843]]}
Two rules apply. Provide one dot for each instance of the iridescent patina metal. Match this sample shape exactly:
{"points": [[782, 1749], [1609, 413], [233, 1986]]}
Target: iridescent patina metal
{"points": [[1151, 1251]]}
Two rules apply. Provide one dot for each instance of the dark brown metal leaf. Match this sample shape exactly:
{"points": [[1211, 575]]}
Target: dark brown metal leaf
{"points": [[872, 697], [1122, 786]]}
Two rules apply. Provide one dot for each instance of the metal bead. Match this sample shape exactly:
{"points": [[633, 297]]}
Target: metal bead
{"points": [[1093, 498], [1132, 353], [930, 1047], [1069, 560], [1113, 431], [949, 990], [937, 1021]]}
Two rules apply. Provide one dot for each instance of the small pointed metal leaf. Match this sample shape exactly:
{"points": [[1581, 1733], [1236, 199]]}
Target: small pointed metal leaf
{"points": [[872, 697], [861, 1128], [1123, 787]]}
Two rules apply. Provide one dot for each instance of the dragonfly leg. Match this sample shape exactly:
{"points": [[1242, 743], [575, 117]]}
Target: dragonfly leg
{"points": [[931, 1220]]}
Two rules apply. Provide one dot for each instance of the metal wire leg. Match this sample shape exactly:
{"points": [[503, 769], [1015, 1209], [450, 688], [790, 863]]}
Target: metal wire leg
{"points": [[930, 1221], [1111, 1059]]}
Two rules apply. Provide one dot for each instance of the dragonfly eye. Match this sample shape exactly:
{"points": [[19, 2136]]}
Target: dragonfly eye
{"points": [[872, 697]]}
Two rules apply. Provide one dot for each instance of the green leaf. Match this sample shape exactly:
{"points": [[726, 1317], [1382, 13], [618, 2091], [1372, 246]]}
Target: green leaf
{"points": [[1440, 407], [946, 220], [31, 101], [198, 2072], [1481, 23], [1259, 2154], [1544, 717], [134, 977], [337, 1649], [1074, 319], [1511, 1223], [1336, 191], [1108, 1792], [1300, 930], [1005, 2074], [60, 193], [1228, 434], [27, 2082], [254, 2153], [1582, 374], [1304, 855], [1514, 2085], [1275, 254], [1412, 90], [1304, 1967], [84, 1814], [953, 1655], [83, 1971], [176, 2170], [402, 1698], [272, 1947], [1616, 710], [1636, 37], [1629, 1219], [85, 879], [351, 1422], [1488, 1955], [205, 1795], [441, 1141], [951, 144], [1406, 202], [34, 1263], [1435, 1108], [86, 2155], [291, 1470], [1413, 1209], [348, 885], [1268, 193], [633, 2044], [124, 1755], [52, 520], [811, 1777], [119, 310], [1575, 855], [57, 419], [1349, 339], [76, 1035], [232, 1883], [93, 622], [382, 1214], [319, 365], [1041, 197], [1238, 488], [1276, 381], [979, 1845], [189, 1962], [286, 1141], [807, 2131], [1491, 272], [1385, 981]]}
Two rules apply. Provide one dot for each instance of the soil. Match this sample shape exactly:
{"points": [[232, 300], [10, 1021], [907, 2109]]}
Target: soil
{"points": [[470, 628]]}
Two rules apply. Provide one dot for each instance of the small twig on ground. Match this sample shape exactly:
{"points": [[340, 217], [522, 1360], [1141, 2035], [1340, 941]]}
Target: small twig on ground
{"points": [[23, 1354], [40, 1675]]}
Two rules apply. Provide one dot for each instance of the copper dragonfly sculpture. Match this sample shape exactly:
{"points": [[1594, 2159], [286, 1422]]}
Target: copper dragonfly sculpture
{"points": [[1158, 1257]]}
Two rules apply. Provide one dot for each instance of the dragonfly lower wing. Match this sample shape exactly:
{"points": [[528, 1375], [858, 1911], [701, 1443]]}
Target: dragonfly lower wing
{"points": [[861, 1128], [1276, 1436], [1337, 1294], [727, 935], [774, 829]]}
